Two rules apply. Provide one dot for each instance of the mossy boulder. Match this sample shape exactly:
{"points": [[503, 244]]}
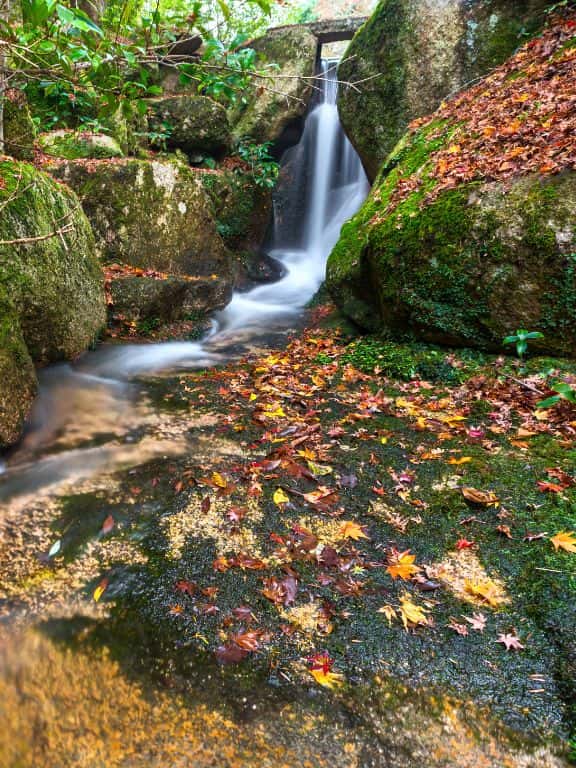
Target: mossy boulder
{"points": [[241, 207], [137, 299], [416, 54], [194, 124], [48, 264], [154, 215], [473, 265], [73, 145], [19, 128], [17, 376], [271, 106]]}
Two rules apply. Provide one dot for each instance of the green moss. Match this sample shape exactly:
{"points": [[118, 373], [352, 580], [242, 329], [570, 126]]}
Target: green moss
{"points": [[72, 145]]}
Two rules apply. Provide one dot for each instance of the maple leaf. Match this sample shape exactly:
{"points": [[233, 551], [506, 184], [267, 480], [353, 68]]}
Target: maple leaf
{"points": [[464, 544], [459, 628], [461, 460], [411, 614], [511, 641], [484, 498], [389, 611], [107, 525], [327, 679], [565, 540], [218, 480], [230, 654], [487, 591], [477, 622], [351, 530], [280, 497], [403, 566], [280, 592]]}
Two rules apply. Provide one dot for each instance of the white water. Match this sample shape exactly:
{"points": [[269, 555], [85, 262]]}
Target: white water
{"points": [[78, 405]]}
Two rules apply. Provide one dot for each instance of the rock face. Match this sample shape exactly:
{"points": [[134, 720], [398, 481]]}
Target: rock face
{"points": [[438, 251], [418, 52], [73, 145], [52, 303], [17, 376], [154, 215], [194, 124], [273, 106]]}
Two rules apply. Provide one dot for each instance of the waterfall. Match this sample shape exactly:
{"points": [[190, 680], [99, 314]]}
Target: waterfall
{"points": [[333, 189]]}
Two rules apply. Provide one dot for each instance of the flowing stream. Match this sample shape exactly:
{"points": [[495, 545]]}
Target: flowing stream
{"points": [[90, 416]]}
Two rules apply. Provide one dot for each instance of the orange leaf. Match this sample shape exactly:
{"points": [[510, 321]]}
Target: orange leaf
{"points": [[403, 567], [565, 540], [351, 530]]}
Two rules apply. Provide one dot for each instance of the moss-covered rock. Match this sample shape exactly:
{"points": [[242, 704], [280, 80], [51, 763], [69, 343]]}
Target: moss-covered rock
{"points": [[269, 107], [48, 264], [73, 145], [194, 124], [475, 264], [417, 53], [163, 300], [241, 208], [19, 129], [17, 376], [155, 215]]}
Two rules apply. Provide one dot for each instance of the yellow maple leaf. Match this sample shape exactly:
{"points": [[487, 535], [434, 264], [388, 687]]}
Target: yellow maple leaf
{"points": [[218, 480], [410, 613], [461, 460], [280, 497], [351, 530], [565, 540], [389, 611], [487, 591], [100, 589], [403, 567], [319, 469], [327, 679]]}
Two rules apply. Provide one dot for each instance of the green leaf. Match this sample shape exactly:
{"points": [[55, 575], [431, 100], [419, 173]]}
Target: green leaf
{"points": [[535, 335], [548, 402], [510, 340]]}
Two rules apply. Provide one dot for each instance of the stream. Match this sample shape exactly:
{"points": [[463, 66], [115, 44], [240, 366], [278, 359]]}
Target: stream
{"points": [[88, 415]]}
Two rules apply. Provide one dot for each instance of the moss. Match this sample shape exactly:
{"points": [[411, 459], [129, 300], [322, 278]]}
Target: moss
{"points": [[19, 129], [55, 282], [72, 145], [191, 123]]}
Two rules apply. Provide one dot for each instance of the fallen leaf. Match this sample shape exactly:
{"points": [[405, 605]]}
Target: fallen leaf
{"points": [[280, 497], [511, 641], [389, 611], [460, 629], [462, 460], [402, 565], [487, 591], [100, 589], [485, 498], [327, 679], [565, 540], [107, 525], [464, 544], [411, 614], [477, 622], [351, 530]]}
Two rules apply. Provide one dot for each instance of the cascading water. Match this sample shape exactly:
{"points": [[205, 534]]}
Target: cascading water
{"points": [[87, 413], [333, 193]]}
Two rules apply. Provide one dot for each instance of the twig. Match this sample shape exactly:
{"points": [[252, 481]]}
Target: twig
{"points": [[524, 384]]}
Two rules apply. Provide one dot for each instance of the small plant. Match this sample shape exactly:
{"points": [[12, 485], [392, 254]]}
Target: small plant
{"points": [[521, 339], [263, 168], [563, 392]]}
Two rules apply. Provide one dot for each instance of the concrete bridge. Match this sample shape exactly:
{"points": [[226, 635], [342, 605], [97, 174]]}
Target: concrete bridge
{"points": [[332, 30]]}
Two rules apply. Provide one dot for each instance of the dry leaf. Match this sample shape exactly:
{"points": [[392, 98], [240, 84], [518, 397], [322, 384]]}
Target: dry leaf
{"points": [[403, 566], [485, 498], [351, 530], [565, 540], [487, 591], [411, 614]]}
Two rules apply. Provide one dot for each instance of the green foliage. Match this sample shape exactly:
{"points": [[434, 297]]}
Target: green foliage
{"points": [[564, 392], [263, 168], [78, 72], [521, 338]]}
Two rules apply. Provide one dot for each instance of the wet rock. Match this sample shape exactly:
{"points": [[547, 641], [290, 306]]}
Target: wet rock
{"points": [[165, 300], [417, 53], [191, 123], [154, 215], [72, 145], [51, 272], [273, 106]]}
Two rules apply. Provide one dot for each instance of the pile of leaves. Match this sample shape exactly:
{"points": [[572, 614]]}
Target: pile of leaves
{"points": [[519, 119]]}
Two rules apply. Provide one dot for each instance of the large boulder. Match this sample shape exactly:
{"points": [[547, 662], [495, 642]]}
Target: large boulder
{"points": [[73, 145], [273, 105], [153, 215], [48, 264], [470, 230], [412, 54], [194, 124], [17, 376]]}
